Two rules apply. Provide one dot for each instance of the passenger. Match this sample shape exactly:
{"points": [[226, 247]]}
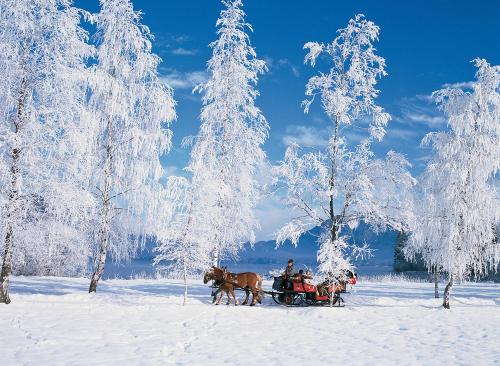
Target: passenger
{"points": [[346, 277], [288, 275], [322, 288], [308, 278], [297, 277]]}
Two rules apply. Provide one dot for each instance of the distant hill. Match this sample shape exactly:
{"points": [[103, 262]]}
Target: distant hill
{"points": [[264, 256]]}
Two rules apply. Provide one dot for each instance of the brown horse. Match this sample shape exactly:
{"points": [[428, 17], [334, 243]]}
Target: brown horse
{"points": [[248, 281], [217, 275]]}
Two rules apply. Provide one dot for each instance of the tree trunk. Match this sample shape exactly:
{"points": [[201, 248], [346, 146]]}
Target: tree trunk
{"points": [[13, 200], [331, 184], [185, 284], [218, 256], [103, 237], [106, 214], [101, 260], [333, 227], [6, 268], [215, 255], [447, 291], [7, 257], [436, 281]]}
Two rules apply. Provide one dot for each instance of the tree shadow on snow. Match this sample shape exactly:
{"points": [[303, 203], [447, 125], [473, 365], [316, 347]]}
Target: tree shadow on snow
{"points": [[367, 295]]}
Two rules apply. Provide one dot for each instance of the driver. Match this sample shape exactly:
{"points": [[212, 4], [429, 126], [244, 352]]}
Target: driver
{"points": [[289, 270], [288, 274]]}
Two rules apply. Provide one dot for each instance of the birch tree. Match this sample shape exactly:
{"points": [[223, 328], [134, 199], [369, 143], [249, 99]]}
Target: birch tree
{"points": [[182, 248], [43, 52], [132, 110], [338, 187], [460, 205], [228, 148]]}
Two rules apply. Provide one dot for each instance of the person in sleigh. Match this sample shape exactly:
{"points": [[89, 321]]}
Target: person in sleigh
{"points": [[288, 275], [322, 288]]}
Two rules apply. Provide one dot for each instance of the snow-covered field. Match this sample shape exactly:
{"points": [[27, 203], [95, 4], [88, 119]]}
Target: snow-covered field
{"points": [[53, 321]]}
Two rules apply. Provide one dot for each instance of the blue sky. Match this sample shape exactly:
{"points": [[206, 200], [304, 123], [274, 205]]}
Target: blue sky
{"points": [[427, 44]]}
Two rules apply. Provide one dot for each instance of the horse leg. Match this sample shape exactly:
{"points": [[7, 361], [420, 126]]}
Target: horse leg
{"points": [[255, 286], [220, 296], [214, 294], [247, 293], [234, 296], [259, 289], [254, 297]]}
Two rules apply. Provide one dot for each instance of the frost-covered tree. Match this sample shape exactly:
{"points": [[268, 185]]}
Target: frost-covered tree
{"points": [[342, 185], [460, 205], [228, 148], [131, 111], [182, 247], [42, 89]]}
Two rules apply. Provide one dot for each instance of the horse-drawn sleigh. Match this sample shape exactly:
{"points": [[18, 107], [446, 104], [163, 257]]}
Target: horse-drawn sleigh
{"points": [[227, 282], [300, 291], [286, 291]]}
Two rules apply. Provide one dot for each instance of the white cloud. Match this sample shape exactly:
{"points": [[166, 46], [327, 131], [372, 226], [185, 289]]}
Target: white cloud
{"points": [[170, 40], [424, 158], [420, 111], [270, 212], [460, 85], [282, 63], [170, 170], [272, 215], [319, 120], [355, 136], [269, 61], [180, 51], [306, 136], [422, 98], [428, 119], [184, 80], [401, 133]]}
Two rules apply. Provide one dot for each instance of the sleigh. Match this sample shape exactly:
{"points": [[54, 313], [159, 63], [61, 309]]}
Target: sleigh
{"points": [[299, 292]]}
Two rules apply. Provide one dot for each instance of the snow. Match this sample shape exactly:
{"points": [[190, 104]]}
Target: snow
{"points": [[54, 321]]}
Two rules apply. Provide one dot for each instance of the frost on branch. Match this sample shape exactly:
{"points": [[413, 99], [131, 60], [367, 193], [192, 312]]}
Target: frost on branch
{"points": [[228, 148], [42, 88], [183, 250], [459, 203], [347, 91], [132, 110], [342, 185]]}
